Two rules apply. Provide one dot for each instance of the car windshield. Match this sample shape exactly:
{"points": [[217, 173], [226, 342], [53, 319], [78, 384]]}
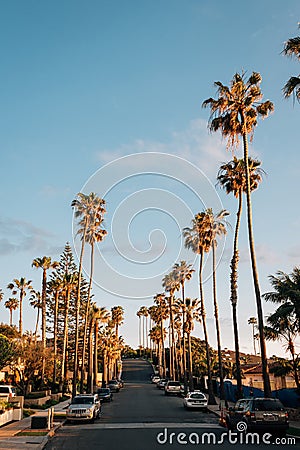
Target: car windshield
{"points": [[4, 390], [173, 383], [103, 391], [83, 401], [197, 395], [267, 405], [113, 382]]}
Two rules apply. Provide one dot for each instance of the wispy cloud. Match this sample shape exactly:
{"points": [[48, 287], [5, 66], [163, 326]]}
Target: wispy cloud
{"points": [[20, 236], [194, 143]]}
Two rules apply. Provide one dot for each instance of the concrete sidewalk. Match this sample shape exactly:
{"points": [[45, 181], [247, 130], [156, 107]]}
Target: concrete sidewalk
{"points": [[8, 433]]}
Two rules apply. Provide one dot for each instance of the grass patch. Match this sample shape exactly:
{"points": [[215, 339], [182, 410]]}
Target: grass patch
{"points": [[28, 412], [32, 433]]}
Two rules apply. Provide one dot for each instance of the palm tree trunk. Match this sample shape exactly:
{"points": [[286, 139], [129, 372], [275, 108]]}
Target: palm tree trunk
{"points": [[77, 308], [21, 314], [90, 358], [10, 317], [55, 335], [44, 292], [211, 397], [184, 341], [294, 364], [264, 362], [172, 339], [37, 322], [64, 364], [216, 310], [190, 363], [253, 337], [96, 331], [104, 379], [86, 316], [234, 297], [163, 348]]}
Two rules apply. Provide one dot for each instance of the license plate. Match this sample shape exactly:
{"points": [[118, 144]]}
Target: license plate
{"points": [[271, 418], [77, 415]]}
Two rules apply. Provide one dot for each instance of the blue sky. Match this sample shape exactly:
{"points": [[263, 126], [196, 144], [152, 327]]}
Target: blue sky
{"points": [[86, 83]]}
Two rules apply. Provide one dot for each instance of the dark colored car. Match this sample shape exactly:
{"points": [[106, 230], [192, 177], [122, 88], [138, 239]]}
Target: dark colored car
{"points": [[113, 385], [104, 394], [258, 414]]}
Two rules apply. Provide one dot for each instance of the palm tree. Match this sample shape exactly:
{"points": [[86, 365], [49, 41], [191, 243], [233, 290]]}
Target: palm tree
{"points": [[96, 315], [217, 228], [161, 313], [184, 273], [235, 113], [12, 304], [232, 178], [21, 285], [36, 302], [55, 286], [198, 239], [253, 321], [139, 314], [292, 86], [193, 312], [93, 233], [117, 317], [282, 327], [287, 292], [87, 208], [69, 283], [171, 284]]}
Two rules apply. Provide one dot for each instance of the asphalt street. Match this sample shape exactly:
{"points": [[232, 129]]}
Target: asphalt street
{"points": [[141, 417]]}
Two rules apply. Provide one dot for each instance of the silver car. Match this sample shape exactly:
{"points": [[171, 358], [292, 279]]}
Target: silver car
{"points": [[85, 407], [195, 399]]}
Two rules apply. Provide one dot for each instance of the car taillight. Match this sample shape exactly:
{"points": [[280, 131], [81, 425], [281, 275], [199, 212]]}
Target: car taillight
{"points": [[287, 415], [252, 415]]}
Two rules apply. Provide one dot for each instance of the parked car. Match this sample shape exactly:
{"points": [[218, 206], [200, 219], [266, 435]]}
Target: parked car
{"points": [[195, 399], [173, 387], [155, 379], [161, 383], [258, 414], [104, 394], [84, 407], [7, 391], [113, 385]]}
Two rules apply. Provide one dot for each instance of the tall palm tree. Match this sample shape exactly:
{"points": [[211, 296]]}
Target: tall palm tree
{"points": [[12, 304], [87, 208], [171, 284], [21, 285], [36, 302], [97, 314], [139, 314], [184, 273], [117, 317], [198, 239], [283, 327], [217, 228], [94, 233], [253, 321], [193, 312], [235, 113], [69, 283], [232, 178], [161, 314], [55, 286], [286, 292], [292, 86], [45, 264]]}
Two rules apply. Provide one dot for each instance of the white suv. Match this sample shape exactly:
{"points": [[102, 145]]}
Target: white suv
{"points": [[173, 387], [84, 407], [7, 391]]}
